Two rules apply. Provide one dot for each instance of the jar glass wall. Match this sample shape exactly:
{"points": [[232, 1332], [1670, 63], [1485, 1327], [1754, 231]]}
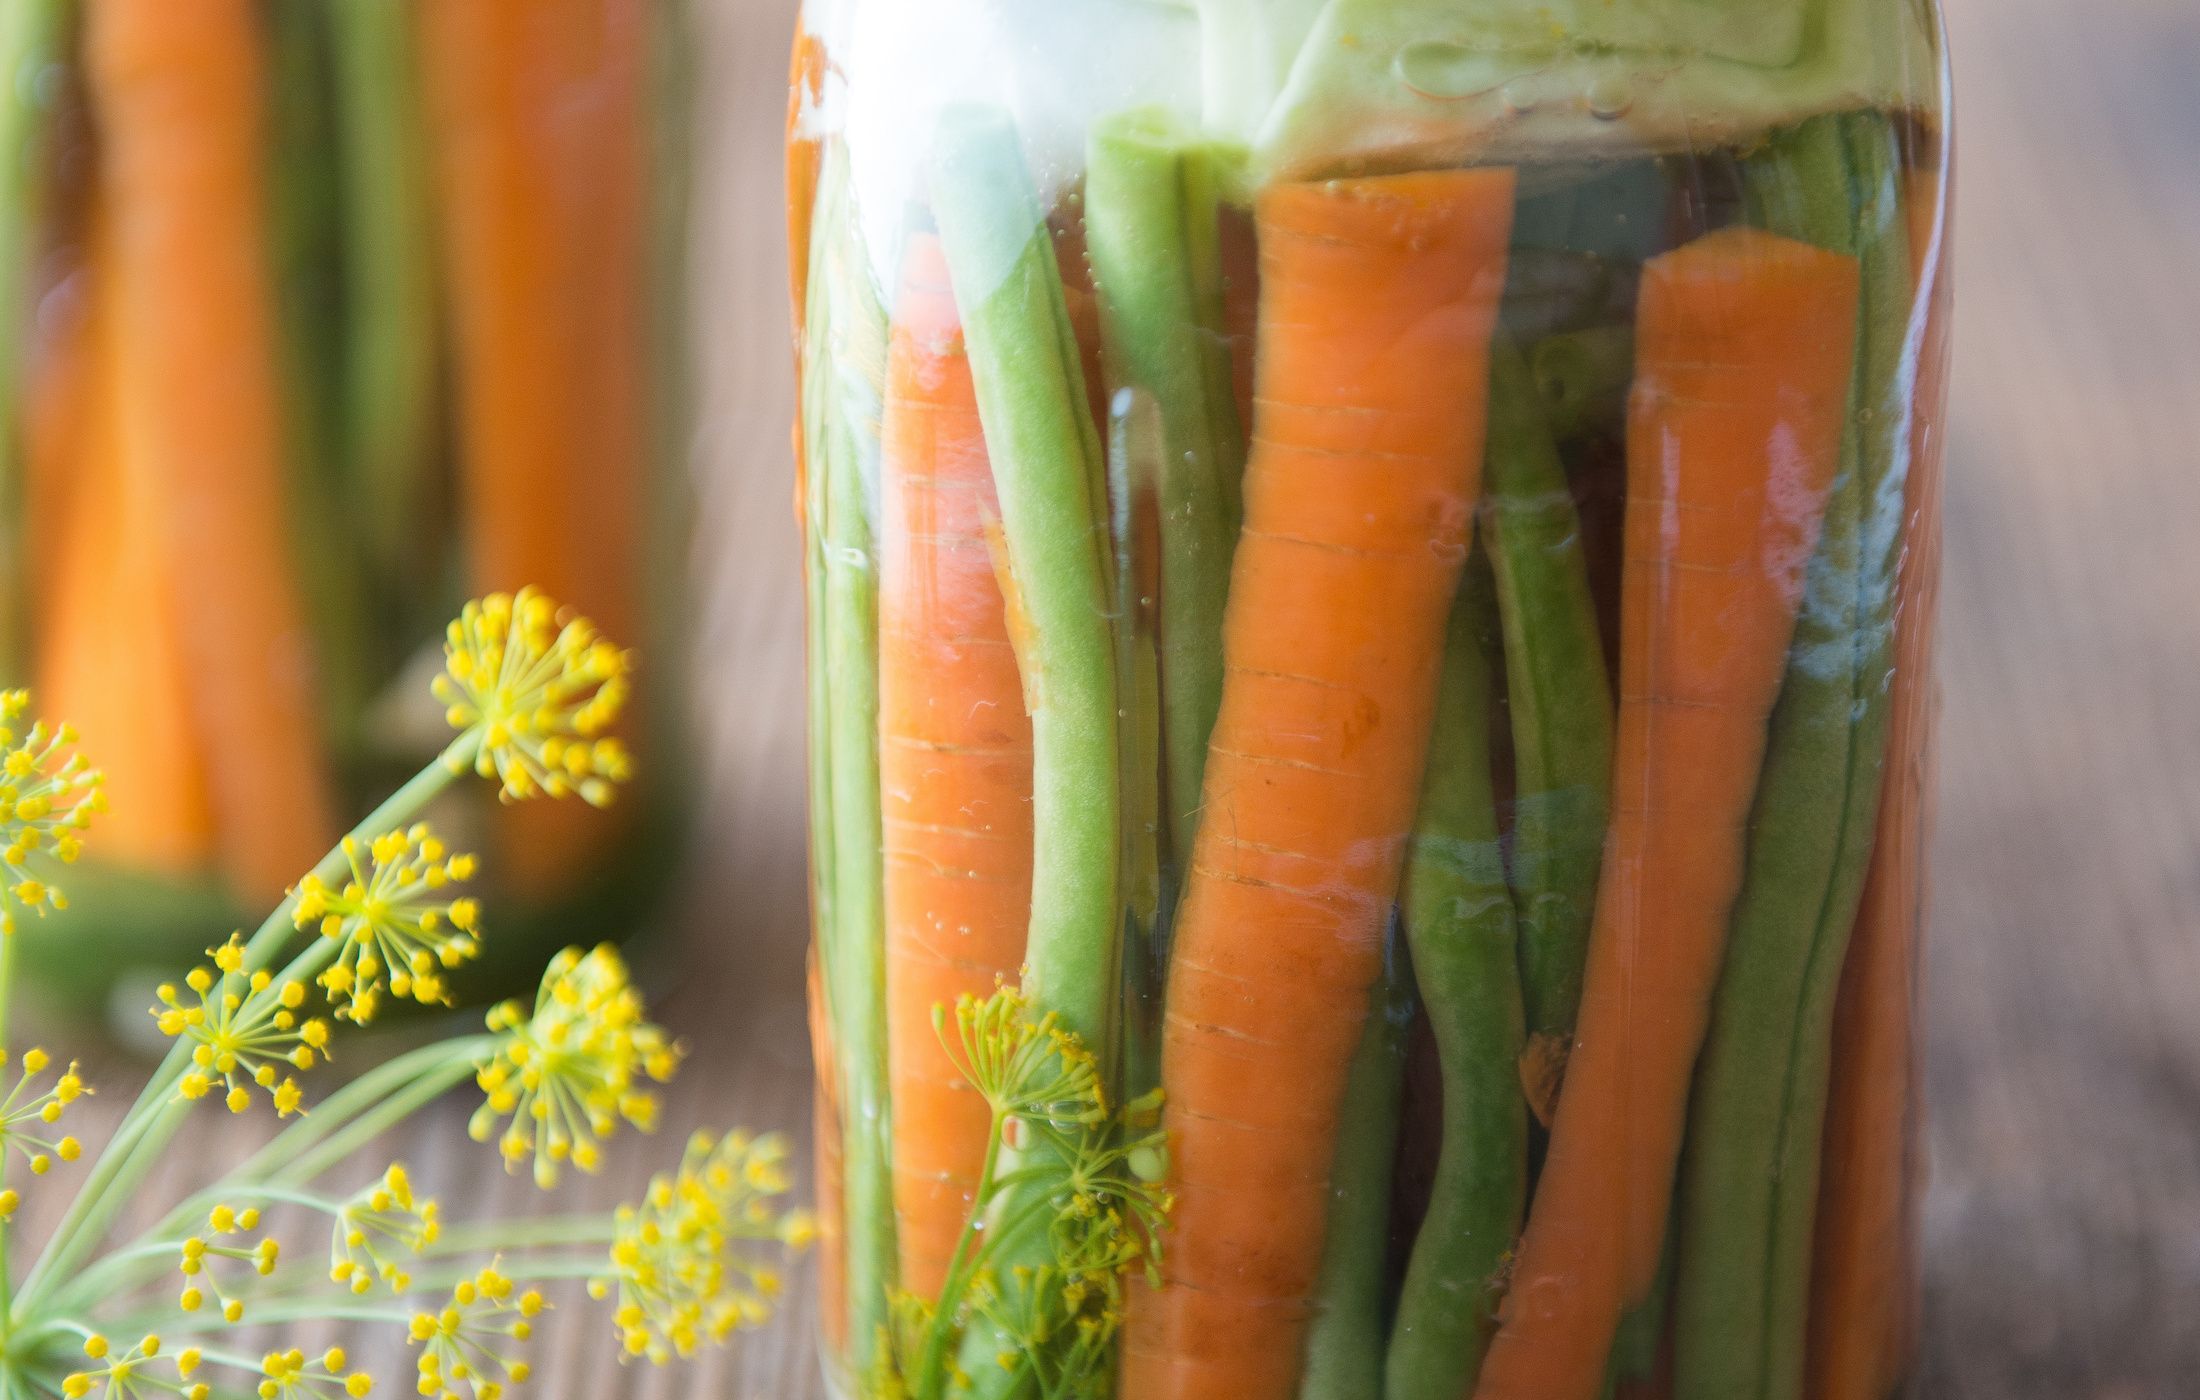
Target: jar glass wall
{"points": [[1371, 572]]}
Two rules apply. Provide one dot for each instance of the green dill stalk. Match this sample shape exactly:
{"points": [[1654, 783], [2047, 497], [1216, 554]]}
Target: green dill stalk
{"points": [[389, 389], [159, 1111], [1050, 474], [1458, 915], [1151, 229], [31, 35], [1344, 1346], [1561, 697], [845, 398], [1750, 1187]]}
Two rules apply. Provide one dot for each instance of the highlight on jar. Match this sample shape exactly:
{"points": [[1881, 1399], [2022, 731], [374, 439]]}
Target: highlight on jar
{"points": [[321, 316], [1371, 569]]}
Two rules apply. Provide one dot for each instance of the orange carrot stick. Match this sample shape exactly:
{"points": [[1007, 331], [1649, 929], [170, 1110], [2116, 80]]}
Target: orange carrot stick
{"points": [[1860, 1315], [108, 656], [541, 153], [954, 760], [805, 159], [1745, 345], [1378, 300], [179, 99]]}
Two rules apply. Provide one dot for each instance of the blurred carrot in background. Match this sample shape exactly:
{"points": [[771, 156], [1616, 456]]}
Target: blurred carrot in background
{"points": [[541, 144], [176, 92]]}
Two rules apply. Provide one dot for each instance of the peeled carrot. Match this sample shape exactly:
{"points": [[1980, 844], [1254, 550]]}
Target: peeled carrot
{"points": [[108, 655], [1860, 1308], [537, 117], [1379, 297], [805, 157], [177, 92], [1745, 344], [954, 760]]}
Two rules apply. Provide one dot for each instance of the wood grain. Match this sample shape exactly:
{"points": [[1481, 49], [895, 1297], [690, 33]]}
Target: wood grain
{"points": [[2063, 1223]]}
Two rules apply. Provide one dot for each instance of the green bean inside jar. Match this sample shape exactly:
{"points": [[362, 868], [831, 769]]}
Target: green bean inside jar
{"points": [[1371, 568]]}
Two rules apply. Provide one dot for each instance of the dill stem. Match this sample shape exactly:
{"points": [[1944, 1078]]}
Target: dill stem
{"points": [[156, 1115], [964, 1263]]}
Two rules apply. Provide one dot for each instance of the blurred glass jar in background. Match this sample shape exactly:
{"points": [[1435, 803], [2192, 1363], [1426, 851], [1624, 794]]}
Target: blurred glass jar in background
{"points": [[1376, 558], [321, 316]]}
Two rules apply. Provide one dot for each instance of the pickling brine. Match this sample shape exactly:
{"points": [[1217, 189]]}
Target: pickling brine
{"points": [[1371, 571]]}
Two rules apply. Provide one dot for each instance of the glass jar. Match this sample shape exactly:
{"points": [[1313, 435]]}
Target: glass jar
{"points": [[1371, 573], [321, 317]]}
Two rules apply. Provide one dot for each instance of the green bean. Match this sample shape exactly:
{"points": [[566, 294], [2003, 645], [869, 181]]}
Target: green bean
{"points": [[1151, 227], [1345, 1346], [390, 344], [1458, 916], [1050, 474], [844, 352], [1051, 477], [31, 35], [305, 235], [1582, 378], [1561, 699], [1749, 1192], [1136, 445]]}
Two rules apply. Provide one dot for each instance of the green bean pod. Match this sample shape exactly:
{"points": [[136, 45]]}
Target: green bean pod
{"points": [[1750, 1185], [391, 348], [1561, 697], [1457, 909], [306, 233], [844, 354], [31, 37], [1050, 475], [1136, 445], [1345, 1345], [1582, 378], [1151, 230]]}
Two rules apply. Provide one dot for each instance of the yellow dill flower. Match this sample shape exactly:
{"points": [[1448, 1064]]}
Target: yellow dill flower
{"points": [[46, 803], [678, 1262], [471, 1341], [247, 1030], [29, 1110], [563, 1077], [373, 1225], [396, 920], [200, 1284], [536, 692], [140, 1371], [292, 1375]]}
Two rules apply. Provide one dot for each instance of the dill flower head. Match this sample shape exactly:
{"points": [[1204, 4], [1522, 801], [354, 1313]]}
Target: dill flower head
{"points": [[29, 1111], [292, 1375], [563, 1077], [396, 920], [536, 690], [246, 1030], [46, 803], [141, 1370], [379, 1226], [471, 1341], [677, 1264], [197, 1253]]}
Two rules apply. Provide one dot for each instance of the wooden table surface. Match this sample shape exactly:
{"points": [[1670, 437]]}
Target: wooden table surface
{"points": [[2063, 1223]]}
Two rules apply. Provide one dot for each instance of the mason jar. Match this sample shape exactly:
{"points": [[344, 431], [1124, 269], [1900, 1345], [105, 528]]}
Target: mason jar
{"points": [[1371, 569], [320, 317]]}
